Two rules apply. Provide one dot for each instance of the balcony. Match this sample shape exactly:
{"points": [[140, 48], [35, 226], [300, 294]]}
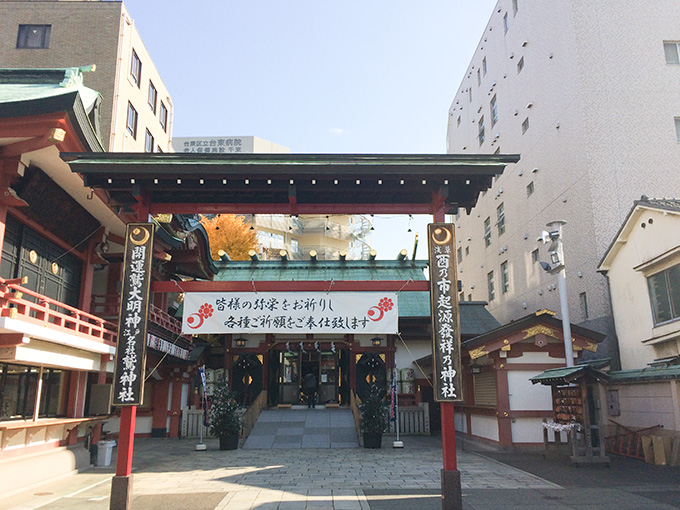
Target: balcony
{"points": [[40, 330], [108, 305]]}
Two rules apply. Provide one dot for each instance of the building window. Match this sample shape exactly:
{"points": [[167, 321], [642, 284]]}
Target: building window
{"points": [[664, 294], [525, 125], [484, 66], [494, 111], [467, 251], [677, 128], [500, 211], [515, 7], [481, 133], [583, 299], [505, 277], [520, 65], [469, 297], [487, 232], [34, 36], [458, 121], [505, 23], [672, 52], [470, 94], [148, 142], [530, 188], [164, 118], [132, 120], [459, 253], [153, 97], [490, 286], [136, 69], [534, 256], [18, 390], [479, 77]]}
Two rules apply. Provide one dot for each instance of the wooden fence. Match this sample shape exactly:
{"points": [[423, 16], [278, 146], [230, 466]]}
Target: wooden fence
{"points": [[413, 420]]}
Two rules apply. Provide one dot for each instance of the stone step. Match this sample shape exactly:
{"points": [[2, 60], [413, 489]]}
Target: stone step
{"points": [[301, 427]]}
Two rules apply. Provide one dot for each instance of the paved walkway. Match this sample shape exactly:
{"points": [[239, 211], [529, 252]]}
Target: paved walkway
{"points": [[169, 474], [303, 428]]}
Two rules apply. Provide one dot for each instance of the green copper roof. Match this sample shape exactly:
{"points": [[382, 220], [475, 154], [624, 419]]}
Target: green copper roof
{"points": [[19, 85], [34, 92], [568, 374], [648, 374], [322, 270]]}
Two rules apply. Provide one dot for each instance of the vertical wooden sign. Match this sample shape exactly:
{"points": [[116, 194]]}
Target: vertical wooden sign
{"points": [[128, 376], [444, 312]]}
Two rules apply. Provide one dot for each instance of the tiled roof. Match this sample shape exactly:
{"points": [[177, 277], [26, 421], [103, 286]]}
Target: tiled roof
{"points": [[664, 204], [543, 316], [671, 204]]}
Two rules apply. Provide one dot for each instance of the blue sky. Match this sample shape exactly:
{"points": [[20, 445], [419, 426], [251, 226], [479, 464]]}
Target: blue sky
{"points": [[371, 76]]}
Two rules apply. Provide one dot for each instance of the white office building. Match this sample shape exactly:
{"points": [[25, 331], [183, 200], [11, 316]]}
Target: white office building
{"points": [[586, 92]]}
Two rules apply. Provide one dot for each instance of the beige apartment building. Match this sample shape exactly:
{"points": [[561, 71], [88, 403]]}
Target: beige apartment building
{"points": [[586, 92], [136, 109]]}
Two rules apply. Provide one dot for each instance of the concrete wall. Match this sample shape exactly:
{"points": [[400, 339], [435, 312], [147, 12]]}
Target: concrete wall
{"points": [[600, 107], [648, 405]]}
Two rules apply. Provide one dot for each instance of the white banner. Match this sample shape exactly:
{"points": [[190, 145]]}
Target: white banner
{"points": [[290, 312]]}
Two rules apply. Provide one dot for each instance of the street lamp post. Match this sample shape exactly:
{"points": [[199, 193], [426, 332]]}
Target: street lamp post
{"points": [[554, 236]]}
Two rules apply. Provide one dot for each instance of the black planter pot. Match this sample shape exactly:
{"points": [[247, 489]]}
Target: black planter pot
{"points": [[228, 442], [373, 439]]}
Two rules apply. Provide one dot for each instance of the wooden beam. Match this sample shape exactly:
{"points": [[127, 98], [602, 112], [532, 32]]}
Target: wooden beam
{"points": [[13, 339], [52, 137], [292, 286], [288, 208]]}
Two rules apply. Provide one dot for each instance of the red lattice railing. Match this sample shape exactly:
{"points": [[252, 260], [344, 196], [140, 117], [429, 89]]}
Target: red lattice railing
{"points": [[50, 313], [107, 305]]}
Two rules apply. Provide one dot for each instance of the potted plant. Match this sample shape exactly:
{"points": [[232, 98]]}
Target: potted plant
{"points": [[373, 420], [225, 416]]}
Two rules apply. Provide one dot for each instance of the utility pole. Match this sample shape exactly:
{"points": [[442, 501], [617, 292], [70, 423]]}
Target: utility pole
{"points": [[554, 236]]}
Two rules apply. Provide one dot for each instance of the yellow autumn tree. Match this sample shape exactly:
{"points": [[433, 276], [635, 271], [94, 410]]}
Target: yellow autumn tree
{"points": [[230, 233]]}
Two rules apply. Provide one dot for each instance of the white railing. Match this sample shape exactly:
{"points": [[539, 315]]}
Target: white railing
{"points": [[413, 420]]}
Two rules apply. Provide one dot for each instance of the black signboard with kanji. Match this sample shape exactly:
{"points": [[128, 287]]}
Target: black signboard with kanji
{"points": [[444, 312], [128, 376]]}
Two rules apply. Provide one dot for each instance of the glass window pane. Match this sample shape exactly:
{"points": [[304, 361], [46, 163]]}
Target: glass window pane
{"points": [[674, 289], [671, 51], [54, 393], [658, 294]]}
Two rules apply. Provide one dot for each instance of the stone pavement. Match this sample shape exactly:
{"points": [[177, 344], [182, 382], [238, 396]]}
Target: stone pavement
{"points": [[303, 428], [169, 474]]}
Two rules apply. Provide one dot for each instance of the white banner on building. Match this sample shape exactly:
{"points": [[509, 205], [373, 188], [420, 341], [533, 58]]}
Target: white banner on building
{"points": [[290, 312]]}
